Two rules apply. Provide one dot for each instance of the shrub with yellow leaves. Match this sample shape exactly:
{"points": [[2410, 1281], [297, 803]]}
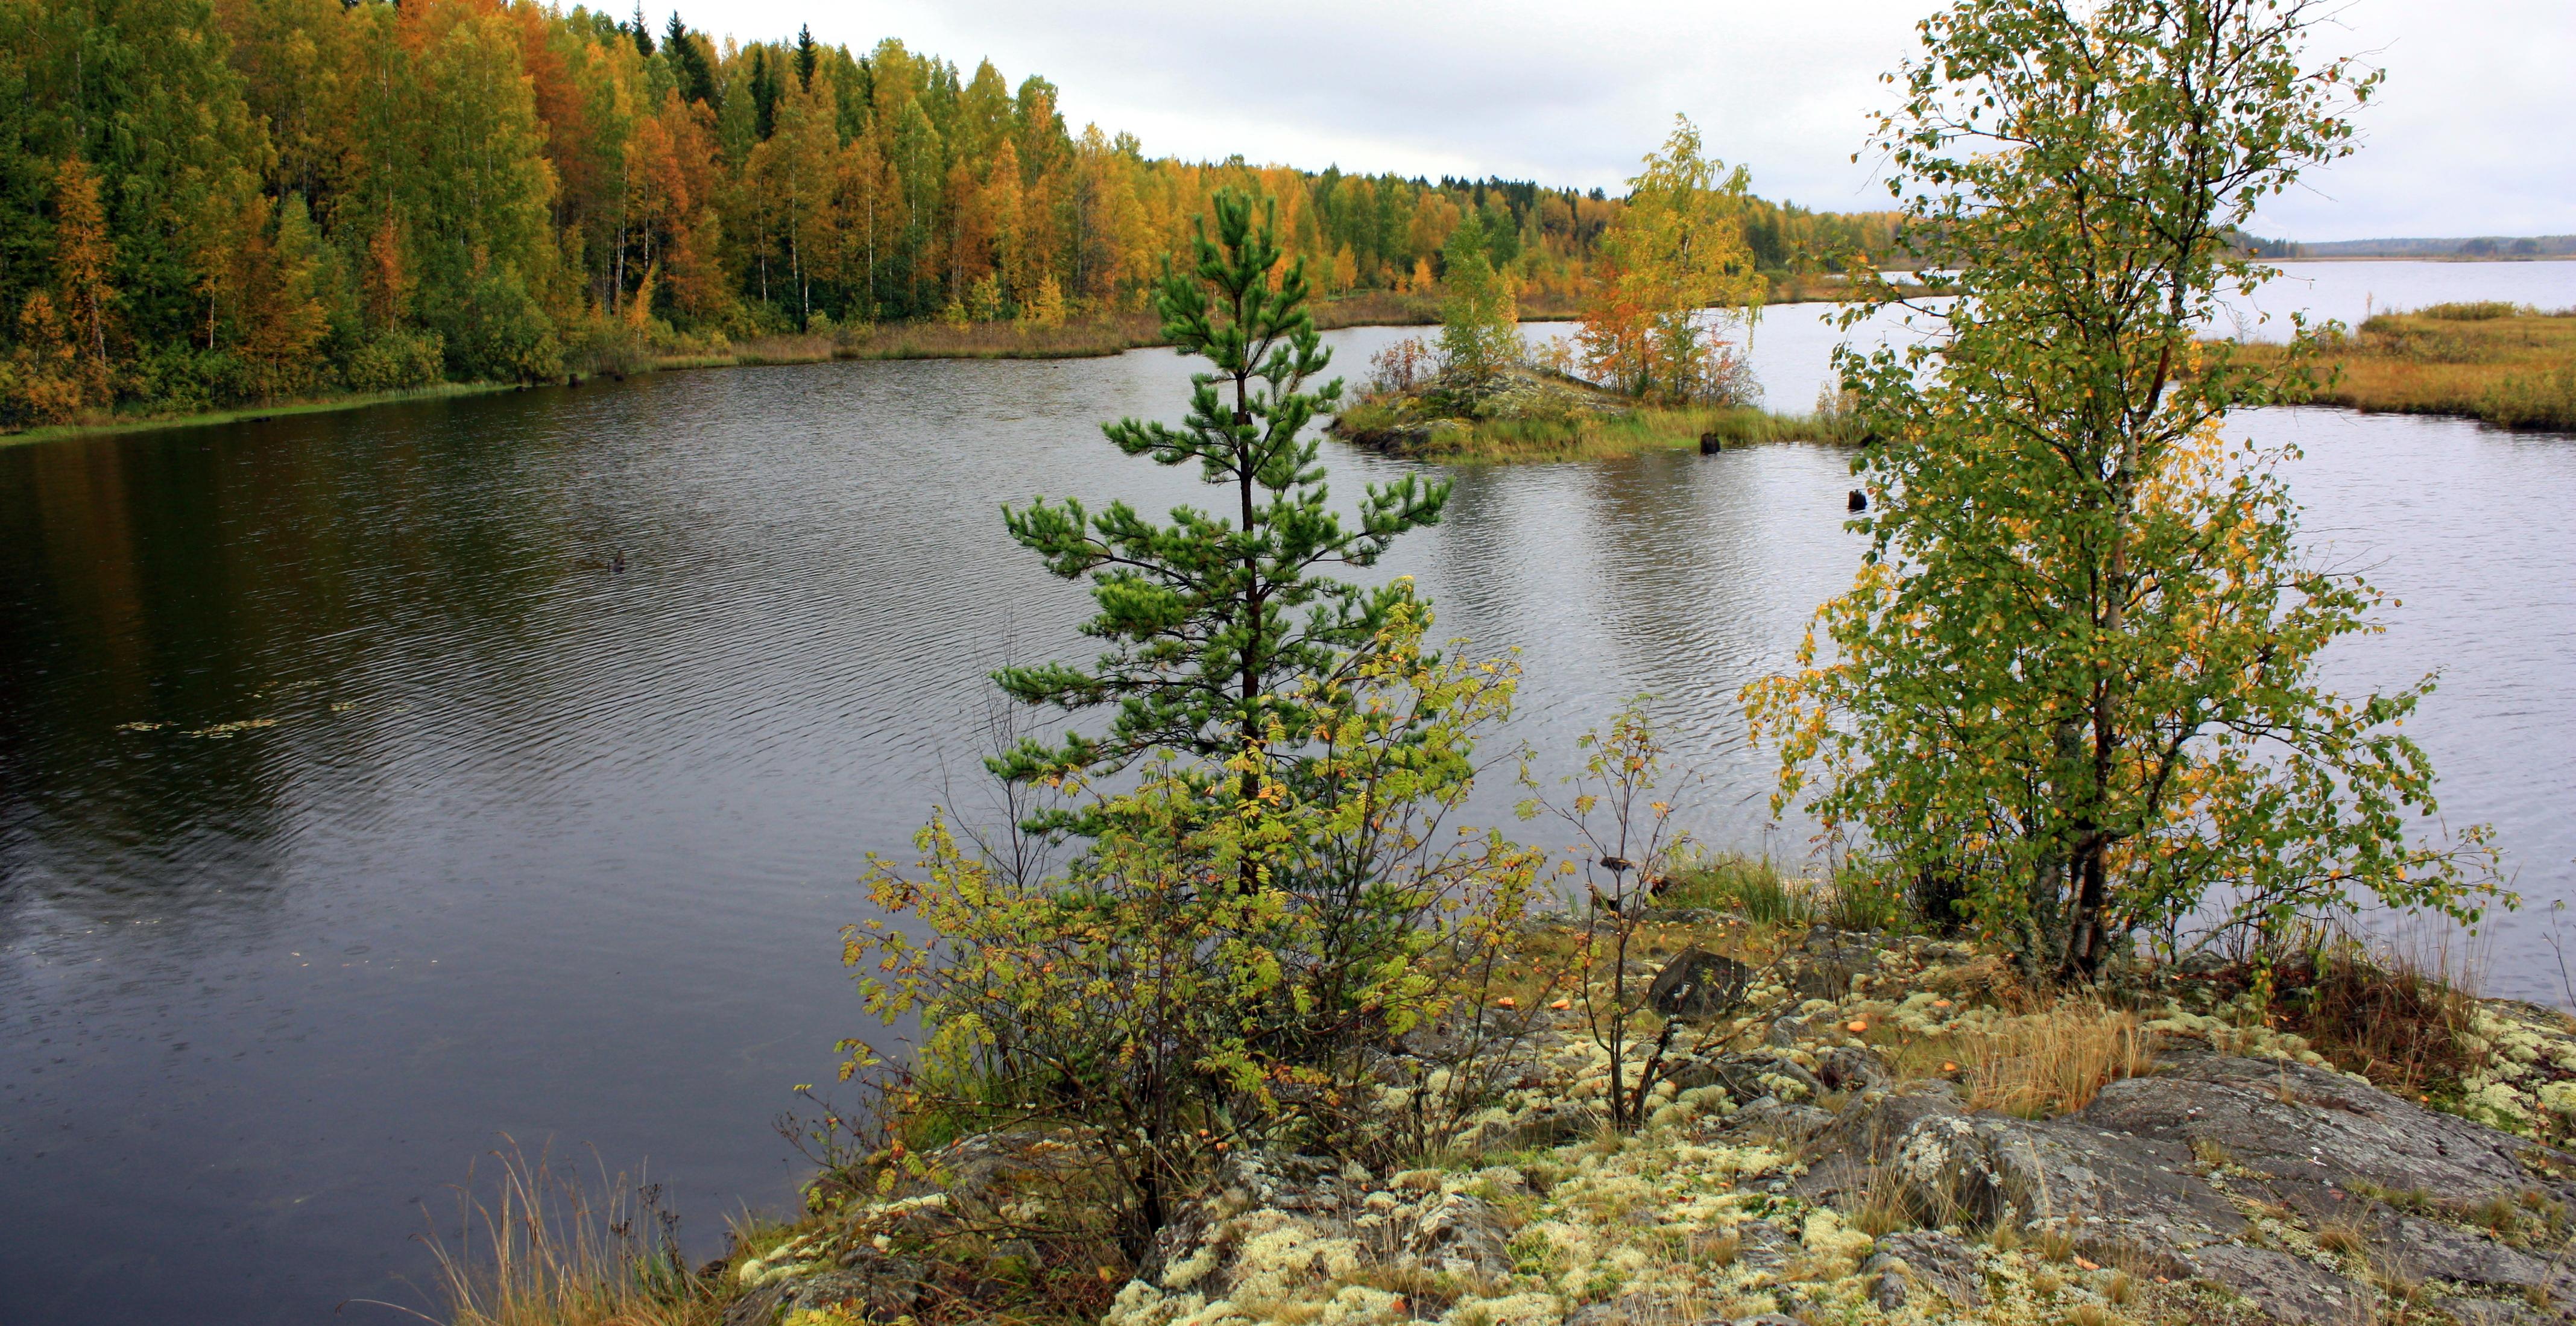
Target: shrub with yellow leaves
{"points": [[1218, 970]]}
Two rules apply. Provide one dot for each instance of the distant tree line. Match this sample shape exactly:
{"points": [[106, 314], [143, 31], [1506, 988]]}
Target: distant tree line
{"points": [[2485, 246], [208, 201]]}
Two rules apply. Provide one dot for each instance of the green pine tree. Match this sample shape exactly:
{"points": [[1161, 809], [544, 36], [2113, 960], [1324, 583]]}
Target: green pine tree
{"points": [[1211, 618]]}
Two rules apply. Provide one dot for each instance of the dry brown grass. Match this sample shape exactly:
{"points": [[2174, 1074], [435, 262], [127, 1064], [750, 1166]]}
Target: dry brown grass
{"points": [[2052, 1060], [1105, 335], [2398, 1015], [542, 1247], [2509, 366]]}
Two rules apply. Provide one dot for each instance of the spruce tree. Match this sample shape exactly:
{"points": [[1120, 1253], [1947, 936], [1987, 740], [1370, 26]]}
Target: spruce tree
{"points": [[764, 95], [805, 56], [1212, 617], [689, 64]]}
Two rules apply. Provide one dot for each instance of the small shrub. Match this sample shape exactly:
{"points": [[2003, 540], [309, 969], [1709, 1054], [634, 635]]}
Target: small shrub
{"points": [[1866, 900], [1407, 366], [2539, 400], [2484, 310], [2374, 1012], [1625, 840], [395, 359], [184, 378]]}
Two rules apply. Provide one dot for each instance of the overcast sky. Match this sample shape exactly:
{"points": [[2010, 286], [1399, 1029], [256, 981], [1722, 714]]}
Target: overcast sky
{"points": [[2473, 135]]}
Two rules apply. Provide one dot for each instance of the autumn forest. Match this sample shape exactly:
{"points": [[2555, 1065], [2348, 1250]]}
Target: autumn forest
{"points": [[215, 202]]}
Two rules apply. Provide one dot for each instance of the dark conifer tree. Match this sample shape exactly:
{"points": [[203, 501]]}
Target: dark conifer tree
{"points": [[1212, 618], [805, 56], [689, 63], [643, 34], [764, 94]]}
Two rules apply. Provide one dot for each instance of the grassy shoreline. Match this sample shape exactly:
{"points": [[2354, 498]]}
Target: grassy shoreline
{"points": [[152, 423], [1601, 436], [2514, 367], [1526, 414]]}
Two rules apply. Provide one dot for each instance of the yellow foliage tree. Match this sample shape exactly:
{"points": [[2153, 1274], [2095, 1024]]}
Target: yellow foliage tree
{"points": [[1675, 252]]}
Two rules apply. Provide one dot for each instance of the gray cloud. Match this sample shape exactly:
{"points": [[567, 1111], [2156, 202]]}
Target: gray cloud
{"points": [[2469, 138]]}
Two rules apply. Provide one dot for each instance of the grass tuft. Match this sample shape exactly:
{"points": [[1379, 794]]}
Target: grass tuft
{"points": [[545, 1248], [2402, 1021], [1734, 883], [2047, 1062]]}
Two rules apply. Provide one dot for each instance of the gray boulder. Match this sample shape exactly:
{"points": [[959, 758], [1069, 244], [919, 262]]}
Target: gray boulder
{"points": [[2120, 1197], [1938, 1261], [2122, 1179], [1763, 1246], [1846, 1068], [1743, 1073], [872, 1287], [1832, 958], [1769, 1119], [1698, 984], [1463, 1236]]}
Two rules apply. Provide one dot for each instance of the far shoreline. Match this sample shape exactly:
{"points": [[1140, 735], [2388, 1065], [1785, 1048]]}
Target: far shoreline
{"points": [[1099, 337]]}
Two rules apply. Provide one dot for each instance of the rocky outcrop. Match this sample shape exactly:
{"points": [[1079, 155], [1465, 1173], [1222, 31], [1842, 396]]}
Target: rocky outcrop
{"points": [[1930, 1261], [866, 1286], [2315, 1137], [1789, 1168], [2159, 1172]]}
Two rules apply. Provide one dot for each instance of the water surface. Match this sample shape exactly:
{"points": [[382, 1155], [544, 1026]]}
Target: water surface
{"points": [[355, 813]]}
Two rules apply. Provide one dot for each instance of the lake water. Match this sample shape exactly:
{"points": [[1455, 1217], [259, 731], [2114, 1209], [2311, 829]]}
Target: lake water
{"points": [[354, 814]]}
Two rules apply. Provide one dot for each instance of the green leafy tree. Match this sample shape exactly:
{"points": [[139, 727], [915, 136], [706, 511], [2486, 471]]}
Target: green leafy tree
{"points": [[2073, 691], [1480, 324], [1209, 616]]}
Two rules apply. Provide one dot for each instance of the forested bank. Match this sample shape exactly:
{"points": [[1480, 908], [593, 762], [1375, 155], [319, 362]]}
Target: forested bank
{"points": [[218, 202]]}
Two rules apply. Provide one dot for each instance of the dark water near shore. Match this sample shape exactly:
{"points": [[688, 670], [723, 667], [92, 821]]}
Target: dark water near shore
{"points": [[353, 813]]}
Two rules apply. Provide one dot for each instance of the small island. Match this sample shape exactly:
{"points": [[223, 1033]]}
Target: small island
{"points": [[1649, 366]]}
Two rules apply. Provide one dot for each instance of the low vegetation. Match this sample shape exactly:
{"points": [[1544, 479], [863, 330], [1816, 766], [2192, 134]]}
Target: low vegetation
{"points": [[1532, 414], [2506, 364], [1719, 1198]]}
